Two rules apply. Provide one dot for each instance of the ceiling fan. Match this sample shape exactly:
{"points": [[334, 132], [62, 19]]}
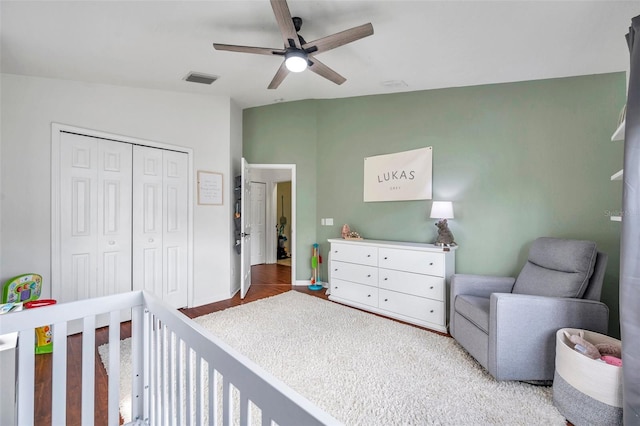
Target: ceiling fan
{"points": [[298, 54]]}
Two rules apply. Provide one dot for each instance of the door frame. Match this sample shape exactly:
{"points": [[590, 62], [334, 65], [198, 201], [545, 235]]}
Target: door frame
{"points": [[271, 211], [56, 130]]}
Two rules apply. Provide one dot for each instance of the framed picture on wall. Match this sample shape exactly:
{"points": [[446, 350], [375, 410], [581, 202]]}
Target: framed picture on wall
{"points": [[210, 188]]}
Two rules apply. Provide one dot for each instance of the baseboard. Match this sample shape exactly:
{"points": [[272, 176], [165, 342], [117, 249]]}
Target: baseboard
{"points": [[308, 282]]}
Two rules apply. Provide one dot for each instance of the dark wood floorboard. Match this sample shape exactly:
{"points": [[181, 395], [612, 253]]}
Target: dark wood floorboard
{"points": [[268, 280]]}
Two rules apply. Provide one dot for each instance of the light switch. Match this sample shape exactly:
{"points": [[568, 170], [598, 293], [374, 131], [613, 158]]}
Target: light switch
{"points": [[328, 221]]}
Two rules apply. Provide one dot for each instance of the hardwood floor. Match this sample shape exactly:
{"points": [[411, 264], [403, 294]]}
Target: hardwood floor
{"points": [[268, 280]]}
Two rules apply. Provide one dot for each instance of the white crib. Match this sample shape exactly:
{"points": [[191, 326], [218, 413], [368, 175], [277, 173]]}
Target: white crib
{"points": [[170, 356]]}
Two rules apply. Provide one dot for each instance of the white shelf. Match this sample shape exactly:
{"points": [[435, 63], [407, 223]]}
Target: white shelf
{"points": [[618, 175], [618, 135], [616, 218]]}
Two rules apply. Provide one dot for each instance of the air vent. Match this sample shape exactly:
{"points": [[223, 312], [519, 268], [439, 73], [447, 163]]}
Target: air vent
{"points": [[196, 77]]}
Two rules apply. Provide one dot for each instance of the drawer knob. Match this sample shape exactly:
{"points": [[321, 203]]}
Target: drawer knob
{"points": [[431, 288], [386, 278], [430, 263], [336, 269], [369, 276], [385, 258], [386, 300], [431, 311], [368, 295], [368, 255], [335, 287]]}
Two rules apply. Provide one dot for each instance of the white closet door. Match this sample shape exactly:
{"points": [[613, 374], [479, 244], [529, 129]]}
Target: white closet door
{"points": [[95, 200], [160, 223]]}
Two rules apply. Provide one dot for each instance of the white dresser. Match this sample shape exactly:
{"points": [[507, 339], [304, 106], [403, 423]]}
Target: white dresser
{"points": [[406, 281]]}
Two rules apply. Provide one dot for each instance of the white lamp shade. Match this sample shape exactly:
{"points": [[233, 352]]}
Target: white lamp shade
{"points": [[442, 210]]}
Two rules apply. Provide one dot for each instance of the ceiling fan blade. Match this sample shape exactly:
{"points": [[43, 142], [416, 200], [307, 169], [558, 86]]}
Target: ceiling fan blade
{"points": [[339, 39], [285, 23], [279, 77], [248, 49], [324, 71]]}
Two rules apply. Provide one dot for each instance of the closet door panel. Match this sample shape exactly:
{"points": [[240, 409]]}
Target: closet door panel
{"points": [[175, 224], [78, 202], [147, 219], [114, 217], [95, 200]]}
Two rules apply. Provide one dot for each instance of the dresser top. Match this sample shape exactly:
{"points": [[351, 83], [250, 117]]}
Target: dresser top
{"points": [[394, 244]]}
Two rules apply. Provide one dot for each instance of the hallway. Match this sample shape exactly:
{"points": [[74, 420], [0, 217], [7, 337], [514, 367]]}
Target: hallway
{"points": [[275, 273]]}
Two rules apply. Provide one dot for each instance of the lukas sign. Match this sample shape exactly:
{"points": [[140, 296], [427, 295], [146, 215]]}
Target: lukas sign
{"points": [[398, 177]]}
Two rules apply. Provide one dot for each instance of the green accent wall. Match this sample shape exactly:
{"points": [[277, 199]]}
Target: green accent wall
{"points": [[518, 160]]}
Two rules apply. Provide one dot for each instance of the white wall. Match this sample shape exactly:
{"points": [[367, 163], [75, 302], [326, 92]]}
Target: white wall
{"points": [[28, 107]]}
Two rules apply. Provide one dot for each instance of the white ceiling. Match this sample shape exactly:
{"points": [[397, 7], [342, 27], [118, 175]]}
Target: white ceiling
{"points": [[425, 44]]}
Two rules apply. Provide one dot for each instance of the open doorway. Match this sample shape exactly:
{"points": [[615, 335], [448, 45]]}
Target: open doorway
{"points": [[283, 246], [273, 258]]}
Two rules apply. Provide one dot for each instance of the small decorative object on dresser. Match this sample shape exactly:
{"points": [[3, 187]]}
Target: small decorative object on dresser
{"points": [[401, 280], [345, 230]]}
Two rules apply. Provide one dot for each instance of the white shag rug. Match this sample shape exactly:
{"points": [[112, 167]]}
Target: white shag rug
{"points": [[367, 370]]}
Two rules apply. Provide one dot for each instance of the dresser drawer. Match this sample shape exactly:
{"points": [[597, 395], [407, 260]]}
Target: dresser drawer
{"points": [[420, 262], [358, 293], [412, 306], [364, 255], [362, 274], [410, 283]]}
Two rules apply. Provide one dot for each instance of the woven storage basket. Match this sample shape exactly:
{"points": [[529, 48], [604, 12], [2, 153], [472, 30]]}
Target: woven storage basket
{"points": [[586, 391]]}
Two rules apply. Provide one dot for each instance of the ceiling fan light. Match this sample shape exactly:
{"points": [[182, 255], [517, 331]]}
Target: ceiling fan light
{"points": [[296, 61]]}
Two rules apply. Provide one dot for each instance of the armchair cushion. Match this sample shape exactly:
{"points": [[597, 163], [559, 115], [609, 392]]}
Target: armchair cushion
{"points": [[557, 268], [475, 309]]}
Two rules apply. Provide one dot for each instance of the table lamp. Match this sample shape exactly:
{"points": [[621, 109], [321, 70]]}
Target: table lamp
{"points": [[443, 210]]}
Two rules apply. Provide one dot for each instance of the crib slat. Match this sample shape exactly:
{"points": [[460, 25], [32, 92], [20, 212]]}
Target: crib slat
{"points": [[213, 395], [26, 360], [179, 381], [59, 375], [244, 409], [198, 394], [88, 369], [227, 404], [165, 377], [114, 368], [188, 394], [170, 374], [146, 356], [153, 371], [137, 329]]}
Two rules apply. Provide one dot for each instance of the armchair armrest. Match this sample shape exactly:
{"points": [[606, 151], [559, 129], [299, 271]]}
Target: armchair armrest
{"points": [[522, 332], [480, 285]]}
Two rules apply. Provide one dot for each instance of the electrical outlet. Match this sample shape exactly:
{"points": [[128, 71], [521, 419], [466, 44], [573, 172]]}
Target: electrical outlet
{"points": [[322, 222]]}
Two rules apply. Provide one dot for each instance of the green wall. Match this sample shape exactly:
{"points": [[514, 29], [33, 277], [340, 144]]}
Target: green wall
{"points": [[519, 161]]}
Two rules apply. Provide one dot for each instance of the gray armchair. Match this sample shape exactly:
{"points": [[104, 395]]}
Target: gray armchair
{"points": [[508, 325]]}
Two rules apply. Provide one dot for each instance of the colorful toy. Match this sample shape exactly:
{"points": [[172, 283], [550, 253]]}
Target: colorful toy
{"points": [[44, 334], [22, 288], [27, 288], [316, 261]]}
